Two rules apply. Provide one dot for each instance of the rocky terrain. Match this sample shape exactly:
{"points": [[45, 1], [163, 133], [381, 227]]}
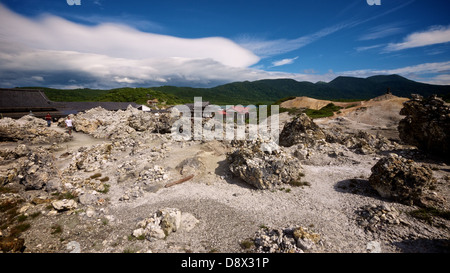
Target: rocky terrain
{"points": [[120, 183]]}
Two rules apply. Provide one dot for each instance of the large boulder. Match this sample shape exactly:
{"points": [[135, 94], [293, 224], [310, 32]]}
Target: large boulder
{"points": [[402, 180], [426, 124], [301, 130], [264, 170]]}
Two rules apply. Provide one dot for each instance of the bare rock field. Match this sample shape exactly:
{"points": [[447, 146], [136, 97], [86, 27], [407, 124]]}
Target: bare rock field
{"points": [[121, 184]]}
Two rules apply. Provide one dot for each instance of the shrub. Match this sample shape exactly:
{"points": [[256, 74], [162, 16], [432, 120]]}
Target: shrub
{"points": [[326, 111]]}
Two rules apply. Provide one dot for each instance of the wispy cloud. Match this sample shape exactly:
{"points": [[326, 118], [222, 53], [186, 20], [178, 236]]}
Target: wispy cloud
{"points": [[442, 79], [432, 36], [134, 21], [284, 62], [365, 48], [382, 31], [426, 72], [267, 48]]}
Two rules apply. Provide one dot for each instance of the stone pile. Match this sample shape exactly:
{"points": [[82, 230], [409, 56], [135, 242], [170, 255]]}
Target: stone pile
{"points": [[163, 222], [402, 180], [426, 124], [289, 240], [153, 175], [30, 130], [373, 217], [90, 158]]}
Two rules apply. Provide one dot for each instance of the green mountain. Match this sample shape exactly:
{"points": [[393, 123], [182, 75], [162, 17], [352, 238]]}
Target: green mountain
{"points": [[125, 94], [269, 91], [258, 92]]}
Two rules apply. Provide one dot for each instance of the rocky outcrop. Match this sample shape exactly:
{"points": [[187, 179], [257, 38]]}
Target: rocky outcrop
{"points": [[90, 158], [117, 125], [361, 142], [301, 130], [33, 168], [30, 130], [402, 180], [426, 124], [264, 170]]}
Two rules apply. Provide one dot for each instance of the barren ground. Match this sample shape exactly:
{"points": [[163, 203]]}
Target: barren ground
{"points": [[229, 211]]}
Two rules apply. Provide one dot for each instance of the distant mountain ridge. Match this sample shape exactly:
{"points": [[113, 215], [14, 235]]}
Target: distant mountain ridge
{"points": [[269, 91]]}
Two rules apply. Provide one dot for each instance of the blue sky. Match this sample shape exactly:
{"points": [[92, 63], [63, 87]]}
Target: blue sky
{"points": [[107, 44]]}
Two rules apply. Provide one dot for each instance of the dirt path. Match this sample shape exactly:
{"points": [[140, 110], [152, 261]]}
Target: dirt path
{"points": [[79, 139]]}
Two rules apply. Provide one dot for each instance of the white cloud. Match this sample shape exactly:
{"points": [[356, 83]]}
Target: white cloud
{"points": [[116, 41], [284, 62], [443, 79], [432, 36], [38, 78]]}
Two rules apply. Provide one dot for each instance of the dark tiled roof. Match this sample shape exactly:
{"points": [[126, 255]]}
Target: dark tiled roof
{"points": [[23, 98], [191, 105], [83, 106]]}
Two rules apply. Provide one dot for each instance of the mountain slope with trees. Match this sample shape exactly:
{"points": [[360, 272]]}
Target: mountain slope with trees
{"points": [[259, 92]]}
